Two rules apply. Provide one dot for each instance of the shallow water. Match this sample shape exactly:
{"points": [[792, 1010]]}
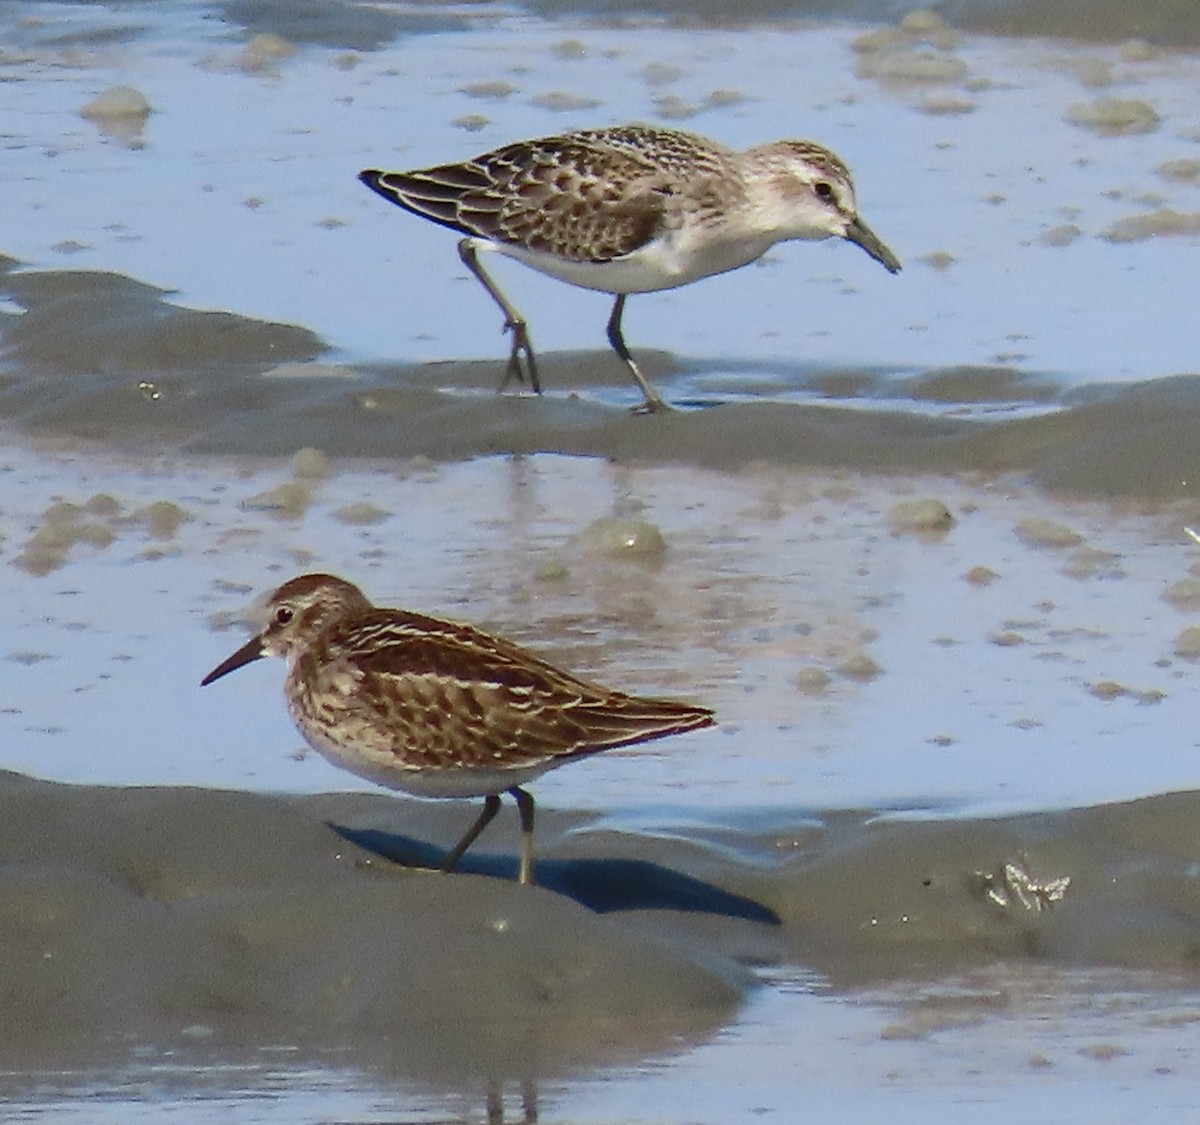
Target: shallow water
{"points": [[1060, 1044], [855, 885], [937, 689]]}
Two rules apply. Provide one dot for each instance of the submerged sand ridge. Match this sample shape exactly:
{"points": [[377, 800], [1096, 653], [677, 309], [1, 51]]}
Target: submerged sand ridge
{"points": [[99, 357]]}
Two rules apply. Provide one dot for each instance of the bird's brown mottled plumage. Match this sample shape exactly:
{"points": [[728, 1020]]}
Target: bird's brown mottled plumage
{"points": [[436, 707], [549, 197], [630, 209]]}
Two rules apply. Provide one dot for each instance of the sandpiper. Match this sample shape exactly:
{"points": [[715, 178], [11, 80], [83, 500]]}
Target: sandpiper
{"points": [[438, 708], [630, 209]]}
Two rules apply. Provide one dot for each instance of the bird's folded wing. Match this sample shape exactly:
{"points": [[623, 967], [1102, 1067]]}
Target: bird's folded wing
{"points": [[556, 196]]}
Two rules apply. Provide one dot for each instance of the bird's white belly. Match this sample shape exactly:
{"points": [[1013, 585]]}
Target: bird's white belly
{"points": [[665, 263], [386, 768]]}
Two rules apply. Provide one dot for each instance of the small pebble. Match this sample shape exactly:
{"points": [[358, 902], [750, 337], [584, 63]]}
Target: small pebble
{"points": [[1060, 236], [939, 260], [570, 49], [812, 680], [494, 90], [624, 538], [911, 67], [1089, 562], [558, 101], [551, 570], [1187, 644], [361, 513], [1037, 531], [28, 657], [62, 511], [102, 504], [671, 107], [38, 560], [921, 21], [117, 102], [661, 74], [1184, 594], [262, 52], [880, 39], [309, 464], [947, 107], [722, 99], [1113, 117], [472, 122], [1153, 224], [920, 516], [1136, 50], [859, 667], [1180, 171], [162, 518], [1094, 73], [290, 500]]}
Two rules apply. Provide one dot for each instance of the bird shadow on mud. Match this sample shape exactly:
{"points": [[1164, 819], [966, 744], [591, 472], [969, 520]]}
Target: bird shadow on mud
{"points": [[604, 886]]}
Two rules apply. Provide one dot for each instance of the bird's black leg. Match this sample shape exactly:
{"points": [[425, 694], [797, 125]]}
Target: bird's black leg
{"points": [[529, 1103], [491, 806], [525, 808], [653, 401]]}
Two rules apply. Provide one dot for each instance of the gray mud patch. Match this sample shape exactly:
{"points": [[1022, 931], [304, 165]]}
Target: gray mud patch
{"points": [[335, 23], [173, 916], [1102, 21], [85, 323], [104, 358], [1108, 21], [163, 916]]}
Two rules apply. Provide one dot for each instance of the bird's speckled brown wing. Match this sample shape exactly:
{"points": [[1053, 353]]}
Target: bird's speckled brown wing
{"points": [[573, 196], [683, 158], [450, 695]]}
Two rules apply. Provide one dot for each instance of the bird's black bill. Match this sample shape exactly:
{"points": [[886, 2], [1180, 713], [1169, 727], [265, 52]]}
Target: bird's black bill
{"points": [[862, 235], [250, 651]]}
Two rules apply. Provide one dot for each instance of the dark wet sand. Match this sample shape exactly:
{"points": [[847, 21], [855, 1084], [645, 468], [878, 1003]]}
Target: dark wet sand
{"points": [[98, 357], [214, 922], [349, 25], [230, 921]]}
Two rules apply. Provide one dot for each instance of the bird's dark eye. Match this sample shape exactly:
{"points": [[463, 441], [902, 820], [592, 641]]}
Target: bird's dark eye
{"points": [[823, 190], [283, 615]]}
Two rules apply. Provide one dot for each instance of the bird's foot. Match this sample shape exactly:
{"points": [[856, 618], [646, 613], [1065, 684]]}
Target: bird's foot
{"points": [[385, 865], [516, 369], [652, 405]]}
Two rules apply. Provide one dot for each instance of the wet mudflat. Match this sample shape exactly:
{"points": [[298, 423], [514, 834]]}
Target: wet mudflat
{"points": [[154, 929], [919, 541], [934, 694]]}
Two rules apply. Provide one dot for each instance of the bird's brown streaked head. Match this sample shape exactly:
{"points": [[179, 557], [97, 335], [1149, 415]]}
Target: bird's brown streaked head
{"points": [[295, 613]]}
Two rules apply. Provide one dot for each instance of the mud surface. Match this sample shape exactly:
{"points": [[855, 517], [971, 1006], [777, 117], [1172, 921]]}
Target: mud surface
{"points": [[197, 926], [104, 358]]}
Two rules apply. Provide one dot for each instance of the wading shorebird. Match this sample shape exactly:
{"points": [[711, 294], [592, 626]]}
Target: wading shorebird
{"points": [[630, 209], [438, 708]]}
